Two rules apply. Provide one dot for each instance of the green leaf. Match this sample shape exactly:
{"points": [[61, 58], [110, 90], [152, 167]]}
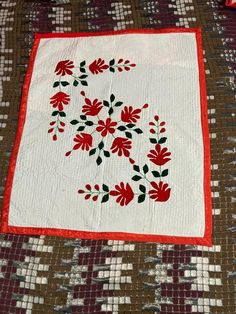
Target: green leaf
{"points": [[138, 131], [153, 140], [130, 125], [118, 103], [121, 128], [89, 123], [156, 174], [106, 103], [164, 173], [83, 76], [81, 128], [136, 178], [110, 111], [56, 84], [92, 151], [141, 198], [105, 198], [142, 188], [83, 117], [128, 134], [162, 140], [75, 83], [55, 113], [101, 145], [112, 97], [105, 188], [82, 64], [84, 83], [112, 69], [74, 122], [106, 153], [82, 70], [136, 168], [62, 114], [64, 83], [145, 169], [99, 160], [112, 62]]}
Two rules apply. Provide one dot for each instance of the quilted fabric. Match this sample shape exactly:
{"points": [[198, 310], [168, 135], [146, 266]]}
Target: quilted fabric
{"points": [[45, 274]]}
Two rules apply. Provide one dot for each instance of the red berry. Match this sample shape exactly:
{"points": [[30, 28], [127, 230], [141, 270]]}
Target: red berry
{"points": [[52, 123], [151, 123], [131, 161], [145, 106], [80, 191], [127, 68], [87, 196], [88, 187], [133, 65], [120, 60], [156, 117], [68, 153], [61, 130], [54, 137], [126, 61], [96, 187], [152, 131], [62, 123], [50, 130], [162, 123], [162, 130], [95, 197], [82, 93], [120, 69]]}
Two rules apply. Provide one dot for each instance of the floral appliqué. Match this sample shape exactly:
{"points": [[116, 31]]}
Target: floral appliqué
{"points": [[121, 131], [152, 182], [79, 75]]}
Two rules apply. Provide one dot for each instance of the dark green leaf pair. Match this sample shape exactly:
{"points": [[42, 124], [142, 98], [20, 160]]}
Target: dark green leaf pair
{"points": [[157, 174], [63, 83]]}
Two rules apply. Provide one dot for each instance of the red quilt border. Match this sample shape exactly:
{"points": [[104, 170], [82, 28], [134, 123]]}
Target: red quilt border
{"points": [[229, 3], [205, 240]]}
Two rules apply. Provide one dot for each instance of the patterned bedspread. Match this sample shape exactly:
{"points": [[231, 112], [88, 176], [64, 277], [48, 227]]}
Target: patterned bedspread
{"points": [[42, 274]]}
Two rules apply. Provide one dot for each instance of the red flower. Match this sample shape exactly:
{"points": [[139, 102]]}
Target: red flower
{"points": [[60, 99], [63, 67], [84, 141], [129, 114], [159, 156], [106, 127], [92, 108], [161, 192], [122, 146], [125, 194], [98, 66]]}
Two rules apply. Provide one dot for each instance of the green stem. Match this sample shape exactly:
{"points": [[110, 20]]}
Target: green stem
{"points": [[60, 83], [58, 120], [96, 192]]}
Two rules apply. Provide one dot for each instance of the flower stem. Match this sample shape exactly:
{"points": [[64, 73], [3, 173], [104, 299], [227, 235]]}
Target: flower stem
{"points": [[60, 83]]}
